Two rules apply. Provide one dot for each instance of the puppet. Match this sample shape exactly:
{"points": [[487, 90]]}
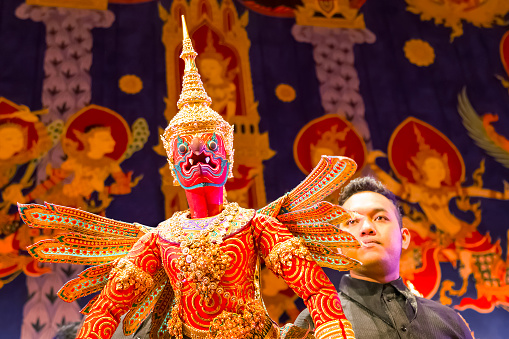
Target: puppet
{"points": [[197, 272]]}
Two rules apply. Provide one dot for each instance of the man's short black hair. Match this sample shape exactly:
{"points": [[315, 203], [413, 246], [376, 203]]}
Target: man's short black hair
{"points": [[369, 184]]}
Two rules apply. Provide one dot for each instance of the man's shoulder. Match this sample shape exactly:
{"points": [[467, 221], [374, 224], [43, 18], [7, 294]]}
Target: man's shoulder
{"points": [[434, 305], [446, 313]]}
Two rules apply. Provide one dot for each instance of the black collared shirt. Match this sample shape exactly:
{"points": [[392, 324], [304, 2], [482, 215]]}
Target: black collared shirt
{"points": [[392, 311]]}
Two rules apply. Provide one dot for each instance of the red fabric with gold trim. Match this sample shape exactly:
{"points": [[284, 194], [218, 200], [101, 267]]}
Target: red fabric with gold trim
{"points": [[262, 235], [113, 302]]}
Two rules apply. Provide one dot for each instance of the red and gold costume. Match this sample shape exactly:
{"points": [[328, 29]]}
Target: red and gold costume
{"points": [[197, 272], [246, 235]]}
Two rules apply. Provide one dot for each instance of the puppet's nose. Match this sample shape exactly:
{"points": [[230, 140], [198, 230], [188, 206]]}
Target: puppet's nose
{"points": [[197, 145]]}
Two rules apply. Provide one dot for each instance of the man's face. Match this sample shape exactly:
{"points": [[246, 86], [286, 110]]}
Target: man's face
{"points": [[376, 224], [200, 160]]}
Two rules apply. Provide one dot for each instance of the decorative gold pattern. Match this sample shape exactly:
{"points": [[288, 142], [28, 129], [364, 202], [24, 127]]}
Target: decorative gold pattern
{"points": [[347, 326], [452, 13], [203, 262], [124, 274], [195, 115], [335, 329], [194, 333], [330, 13], [239, 325], [283, 253]]}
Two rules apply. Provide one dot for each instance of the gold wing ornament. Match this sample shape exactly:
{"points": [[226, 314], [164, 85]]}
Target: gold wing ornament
{"points": [[88, 239], [316, 221], [481, 131]]}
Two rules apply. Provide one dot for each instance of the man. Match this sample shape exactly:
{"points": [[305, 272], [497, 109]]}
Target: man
{"points": [[373, 296]]}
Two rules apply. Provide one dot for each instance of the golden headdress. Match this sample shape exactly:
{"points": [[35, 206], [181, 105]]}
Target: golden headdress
{"points": [[195, 115]]}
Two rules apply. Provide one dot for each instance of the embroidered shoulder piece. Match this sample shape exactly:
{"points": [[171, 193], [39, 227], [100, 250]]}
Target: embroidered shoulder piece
{"points": [[284, 252], [125, 274]]}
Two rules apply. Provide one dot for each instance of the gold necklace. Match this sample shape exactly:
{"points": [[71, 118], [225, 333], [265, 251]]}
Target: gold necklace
{"points": [[202, 262]]}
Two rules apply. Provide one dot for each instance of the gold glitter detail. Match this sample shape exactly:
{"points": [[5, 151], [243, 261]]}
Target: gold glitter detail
{"points": [[203, 262], [125, 274], [283, 253], [194, 333], [195, 115], [230, 325]]}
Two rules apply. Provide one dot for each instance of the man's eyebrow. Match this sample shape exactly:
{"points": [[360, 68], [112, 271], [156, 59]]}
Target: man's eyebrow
{"points": [[373, 211]]}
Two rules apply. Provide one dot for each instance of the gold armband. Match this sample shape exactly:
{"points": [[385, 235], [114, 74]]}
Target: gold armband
{"points": [[125, 274], [283, 253], [333, 330]]}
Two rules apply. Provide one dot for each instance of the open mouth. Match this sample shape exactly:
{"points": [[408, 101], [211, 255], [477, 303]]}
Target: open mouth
{"points": [[202, 159]]}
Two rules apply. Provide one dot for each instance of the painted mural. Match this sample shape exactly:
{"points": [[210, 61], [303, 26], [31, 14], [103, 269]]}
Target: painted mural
{"points": [[415, 91], [429, 174]]}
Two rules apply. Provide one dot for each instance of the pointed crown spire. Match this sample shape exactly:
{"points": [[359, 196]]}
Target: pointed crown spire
{"points": [[193, 91], [195, 115]]}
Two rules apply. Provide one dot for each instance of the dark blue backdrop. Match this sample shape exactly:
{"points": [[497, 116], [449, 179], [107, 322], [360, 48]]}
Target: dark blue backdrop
{"points": [[392, 89]]}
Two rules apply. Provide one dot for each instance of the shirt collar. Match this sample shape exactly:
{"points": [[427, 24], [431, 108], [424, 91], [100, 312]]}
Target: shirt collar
{"points": [[369, 294]]}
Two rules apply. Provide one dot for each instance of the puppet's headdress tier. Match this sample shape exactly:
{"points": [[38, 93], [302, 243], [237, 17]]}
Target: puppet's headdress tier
{"points": [[195, 115]]}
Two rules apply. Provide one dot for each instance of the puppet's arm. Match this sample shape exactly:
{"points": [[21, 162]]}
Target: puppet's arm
{"points": [[289, 258], [128, 280]]}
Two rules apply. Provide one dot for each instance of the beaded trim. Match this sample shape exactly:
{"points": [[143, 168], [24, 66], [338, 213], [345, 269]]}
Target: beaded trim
{"points": [[230, 325], [244, 324], [282, 254]]}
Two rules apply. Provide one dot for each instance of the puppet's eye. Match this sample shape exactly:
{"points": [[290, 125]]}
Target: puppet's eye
{"points": [[212, 145], [183, 148]]}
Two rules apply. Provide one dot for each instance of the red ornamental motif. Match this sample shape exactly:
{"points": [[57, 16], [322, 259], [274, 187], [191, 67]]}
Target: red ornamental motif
{"points": [[8, 115], [286, 9], [328, 135], [504, 52], [94, 115], [413, 137]]}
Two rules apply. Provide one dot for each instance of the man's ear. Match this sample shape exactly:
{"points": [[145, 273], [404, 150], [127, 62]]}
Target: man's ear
{"points": [[405, 238]]}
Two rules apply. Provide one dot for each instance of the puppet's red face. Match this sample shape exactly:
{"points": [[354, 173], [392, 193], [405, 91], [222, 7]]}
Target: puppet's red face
{"points": [[200, 160]]}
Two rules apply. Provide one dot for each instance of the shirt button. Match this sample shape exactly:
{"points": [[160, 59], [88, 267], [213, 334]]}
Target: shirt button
{"points": [[403, 328]]}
